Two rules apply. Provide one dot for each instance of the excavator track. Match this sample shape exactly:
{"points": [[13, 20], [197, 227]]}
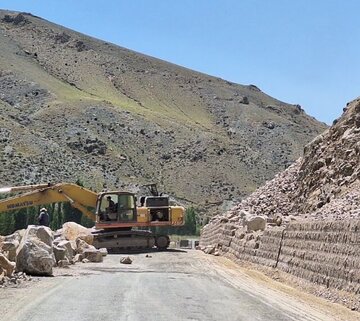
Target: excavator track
{"points": [[129, 240]]}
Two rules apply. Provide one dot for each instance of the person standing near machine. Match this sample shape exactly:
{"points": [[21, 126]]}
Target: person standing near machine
{"points": [[43, 217]]}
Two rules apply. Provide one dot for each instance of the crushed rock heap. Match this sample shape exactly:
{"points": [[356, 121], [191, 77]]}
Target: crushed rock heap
{"points": [[306, 220], [36, 250]]}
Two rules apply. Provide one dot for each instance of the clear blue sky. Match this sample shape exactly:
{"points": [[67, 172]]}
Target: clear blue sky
{"points": [[304, 52]]}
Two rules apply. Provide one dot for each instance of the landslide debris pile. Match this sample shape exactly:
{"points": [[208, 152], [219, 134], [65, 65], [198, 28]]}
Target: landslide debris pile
{"points": [[37, 250], [309, 214], [120, 118]]}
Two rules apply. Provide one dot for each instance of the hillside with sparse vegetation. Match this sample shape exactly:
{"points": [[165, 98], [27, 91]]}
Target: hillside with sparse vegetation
{"points": [[74, 107]]}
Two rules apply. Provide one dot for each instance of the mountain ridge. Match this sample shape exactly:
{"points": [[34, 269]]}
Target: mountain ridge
{"points": [[116, 118]]}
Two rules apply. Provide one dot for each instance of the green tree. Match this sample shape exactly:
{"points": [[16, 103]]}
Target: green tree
{"points": [[71, 214], [7, 223], [20, 219], [190, 226]]}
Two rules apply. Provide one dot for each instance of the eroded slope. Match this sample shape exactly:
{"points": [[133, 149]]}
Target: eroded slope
{"points": [[77, 107]]}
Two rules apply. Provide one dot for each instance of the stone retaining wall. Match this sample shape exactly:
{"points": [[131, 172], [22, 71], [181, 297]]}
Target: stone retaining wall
{"points": [[326, 253], [323, 252], [270, 244]]}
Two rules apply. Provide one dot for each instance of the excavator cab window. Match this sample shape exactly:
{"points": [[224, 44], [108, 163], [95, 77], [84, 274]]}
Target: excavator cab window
{"points": [[118, 207]]}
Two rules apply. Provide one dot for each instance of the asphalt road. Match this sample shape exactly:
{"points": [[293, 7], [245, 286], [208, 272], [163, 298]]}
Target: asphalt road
{"points": [[166, 286]]}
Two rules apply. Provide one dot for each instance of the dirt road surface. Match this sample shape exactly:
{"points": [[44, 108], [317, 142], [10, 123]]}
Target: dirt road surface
{"points": [[176, 285]]}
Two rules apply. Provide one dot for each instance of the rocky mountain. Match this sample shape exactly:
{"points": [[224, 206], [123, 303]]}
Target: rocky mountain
{"points": [[323, 184], [74, 107]]}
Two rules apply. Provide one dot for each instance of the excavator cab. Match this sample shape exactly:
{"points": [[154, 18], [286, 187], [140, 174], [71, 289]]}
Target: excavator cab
{"points": [[116, 207]]}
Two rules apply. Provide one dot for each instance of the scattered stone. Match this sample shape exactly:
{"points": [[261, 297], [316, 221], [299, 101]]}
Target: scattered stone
{"points": [[126, 260], [244, 100], [210, 250], [14, 281], [6, 265], [62, 38], [103, 251], [69, 247], [93, 255], [82, 246], [63, 263], [78, 258], [59, 253]]}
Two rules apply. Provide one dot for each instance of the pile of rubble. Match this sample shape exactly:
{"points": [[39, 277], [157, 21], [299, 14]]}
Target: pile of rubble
{"points": [[14, 280], [271, 201], [37, 250], [269, 206], [324, 184]]}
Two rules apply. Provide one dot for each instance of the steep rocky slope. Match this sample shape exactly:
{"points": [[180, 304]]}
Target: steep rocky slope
{"points": [[323, 184], [316, 205], [74, 107]]}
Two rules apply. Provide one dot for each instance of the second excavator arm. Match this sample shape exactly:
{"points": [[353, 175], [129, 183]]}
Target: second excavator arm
{"points": [[79, 197]]}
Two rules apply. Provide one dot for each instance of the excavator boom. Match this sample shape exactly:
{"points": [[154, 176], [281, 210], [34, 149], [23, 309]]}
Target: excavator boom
{"points": [[43, 194], [24, 188]]}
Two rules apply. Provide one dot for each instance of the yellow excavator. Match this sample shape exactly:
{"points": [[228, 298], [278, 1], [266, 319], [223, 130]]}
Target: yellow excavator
{"points": [[115, 213]]}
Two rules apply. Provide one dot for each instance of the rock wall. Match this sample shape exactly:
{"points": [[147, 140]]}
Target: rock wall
{"points": [[270, 245], [322, 252], [326, 253]]}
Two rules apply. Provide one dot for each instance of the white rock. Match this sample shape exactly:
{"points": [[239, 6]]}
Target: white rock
{"points": [[72, 231]]}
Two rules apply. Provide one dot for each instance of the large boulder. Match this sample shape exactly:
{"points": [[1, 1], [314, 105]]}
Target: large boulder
{"points": [[10, 243], [16, 236], [72, 231], [43, 233], [257, 223], [6, 265], [35, 253]]}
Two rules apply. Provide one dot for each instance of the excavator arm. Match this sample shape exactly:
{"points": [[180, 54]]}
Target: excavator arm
{"points": [[79, 197]]}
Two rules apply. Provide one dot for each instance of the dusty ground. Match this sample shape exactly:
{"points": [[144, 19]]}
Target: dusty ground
{"points": [[351, 301], [178, 285]]}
